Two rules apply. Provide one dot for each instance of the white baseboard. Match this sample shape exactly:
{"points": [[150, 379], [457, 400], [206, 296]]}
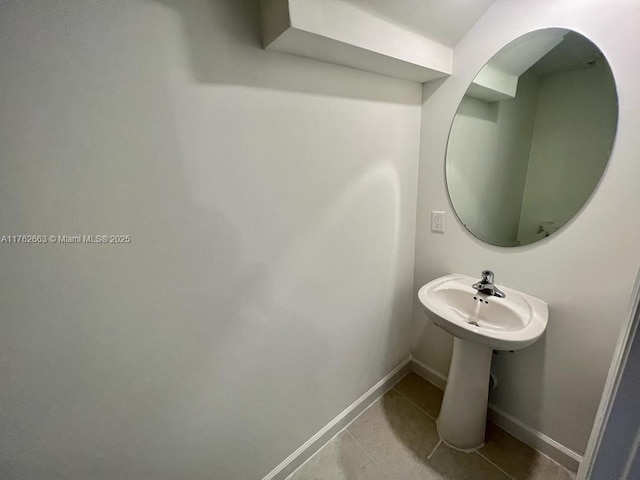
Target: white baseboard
{"points": [[538, 440], [331, 429], [428, 373]]}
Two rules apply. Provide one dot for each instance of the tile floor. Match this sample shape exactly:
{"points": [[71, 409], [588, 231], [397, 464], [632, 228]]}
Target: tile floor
{"points": [[396, 439]]}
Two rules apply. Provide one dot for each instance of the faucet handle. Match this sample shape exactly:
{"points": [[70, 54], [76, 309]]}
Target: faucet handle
{"points": [[487, 276]]}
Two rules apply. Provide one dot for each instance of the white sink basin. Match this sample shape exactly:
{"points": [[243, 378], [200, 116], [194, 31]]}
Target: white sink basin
{"points": [[509, 323]]}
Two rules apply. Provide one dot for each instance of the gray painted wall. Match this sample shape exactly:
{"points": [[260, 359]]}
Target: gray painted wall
{"points": [[271, 204]]}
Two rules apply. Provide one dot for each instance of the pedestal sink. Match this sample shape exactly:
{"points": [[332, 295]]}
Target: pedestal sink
{"points": [[480, 323]]}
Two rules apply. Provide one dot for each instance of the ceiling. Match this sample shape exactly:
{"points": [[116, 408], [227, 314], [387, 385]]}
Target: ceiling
{"points": [[444, 21], [574, 53]]}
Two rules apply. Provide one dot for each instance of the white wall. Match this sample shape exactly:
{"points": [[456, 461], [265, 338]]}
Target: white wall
{"points": [[271, 202], [572, 139], [585, 271]]}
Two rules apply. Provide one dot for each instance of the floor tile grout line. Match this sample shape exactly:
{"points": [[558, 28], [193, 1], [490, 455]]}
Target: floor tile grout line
{"points": [[366, 452], [392, 387], [343, 429], [314, 454], [485, 458], [434, 448], [423, 411], [496, 466], [426, 413], [415, 405]]}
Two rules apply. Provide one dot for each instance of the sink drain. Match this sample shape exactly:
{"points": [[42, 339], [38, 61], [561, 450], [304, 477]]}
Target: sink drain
{"points": [[473, 322]]}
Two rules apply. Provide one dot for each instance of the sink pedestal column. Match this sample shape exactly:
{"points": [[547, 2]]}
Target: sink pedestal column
{"points": [[463, 414]]}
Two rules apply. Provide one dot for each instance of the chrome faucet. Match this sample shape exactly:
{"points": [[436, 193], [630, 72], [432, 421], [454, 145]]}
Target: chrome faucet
{"points": [[486, 285]]}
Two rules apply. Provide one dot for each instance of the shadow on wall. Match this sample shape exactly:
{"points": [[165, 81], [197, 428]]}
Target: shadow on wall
{"points": [[137, 360], [203, 370], [161, 343], [224, 47], [195, 360], [234, 30], [526, 366], [303, 234]]}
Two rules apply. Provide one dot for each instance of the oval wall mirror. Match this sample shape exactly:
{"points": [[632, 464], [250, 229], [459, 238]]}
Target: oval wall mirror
{"points": [[531, 137]]}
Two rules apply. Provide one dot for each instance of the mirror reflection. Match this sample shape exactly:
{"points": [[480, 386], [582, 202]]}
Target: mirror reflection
{"points": [[531, 137]]}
